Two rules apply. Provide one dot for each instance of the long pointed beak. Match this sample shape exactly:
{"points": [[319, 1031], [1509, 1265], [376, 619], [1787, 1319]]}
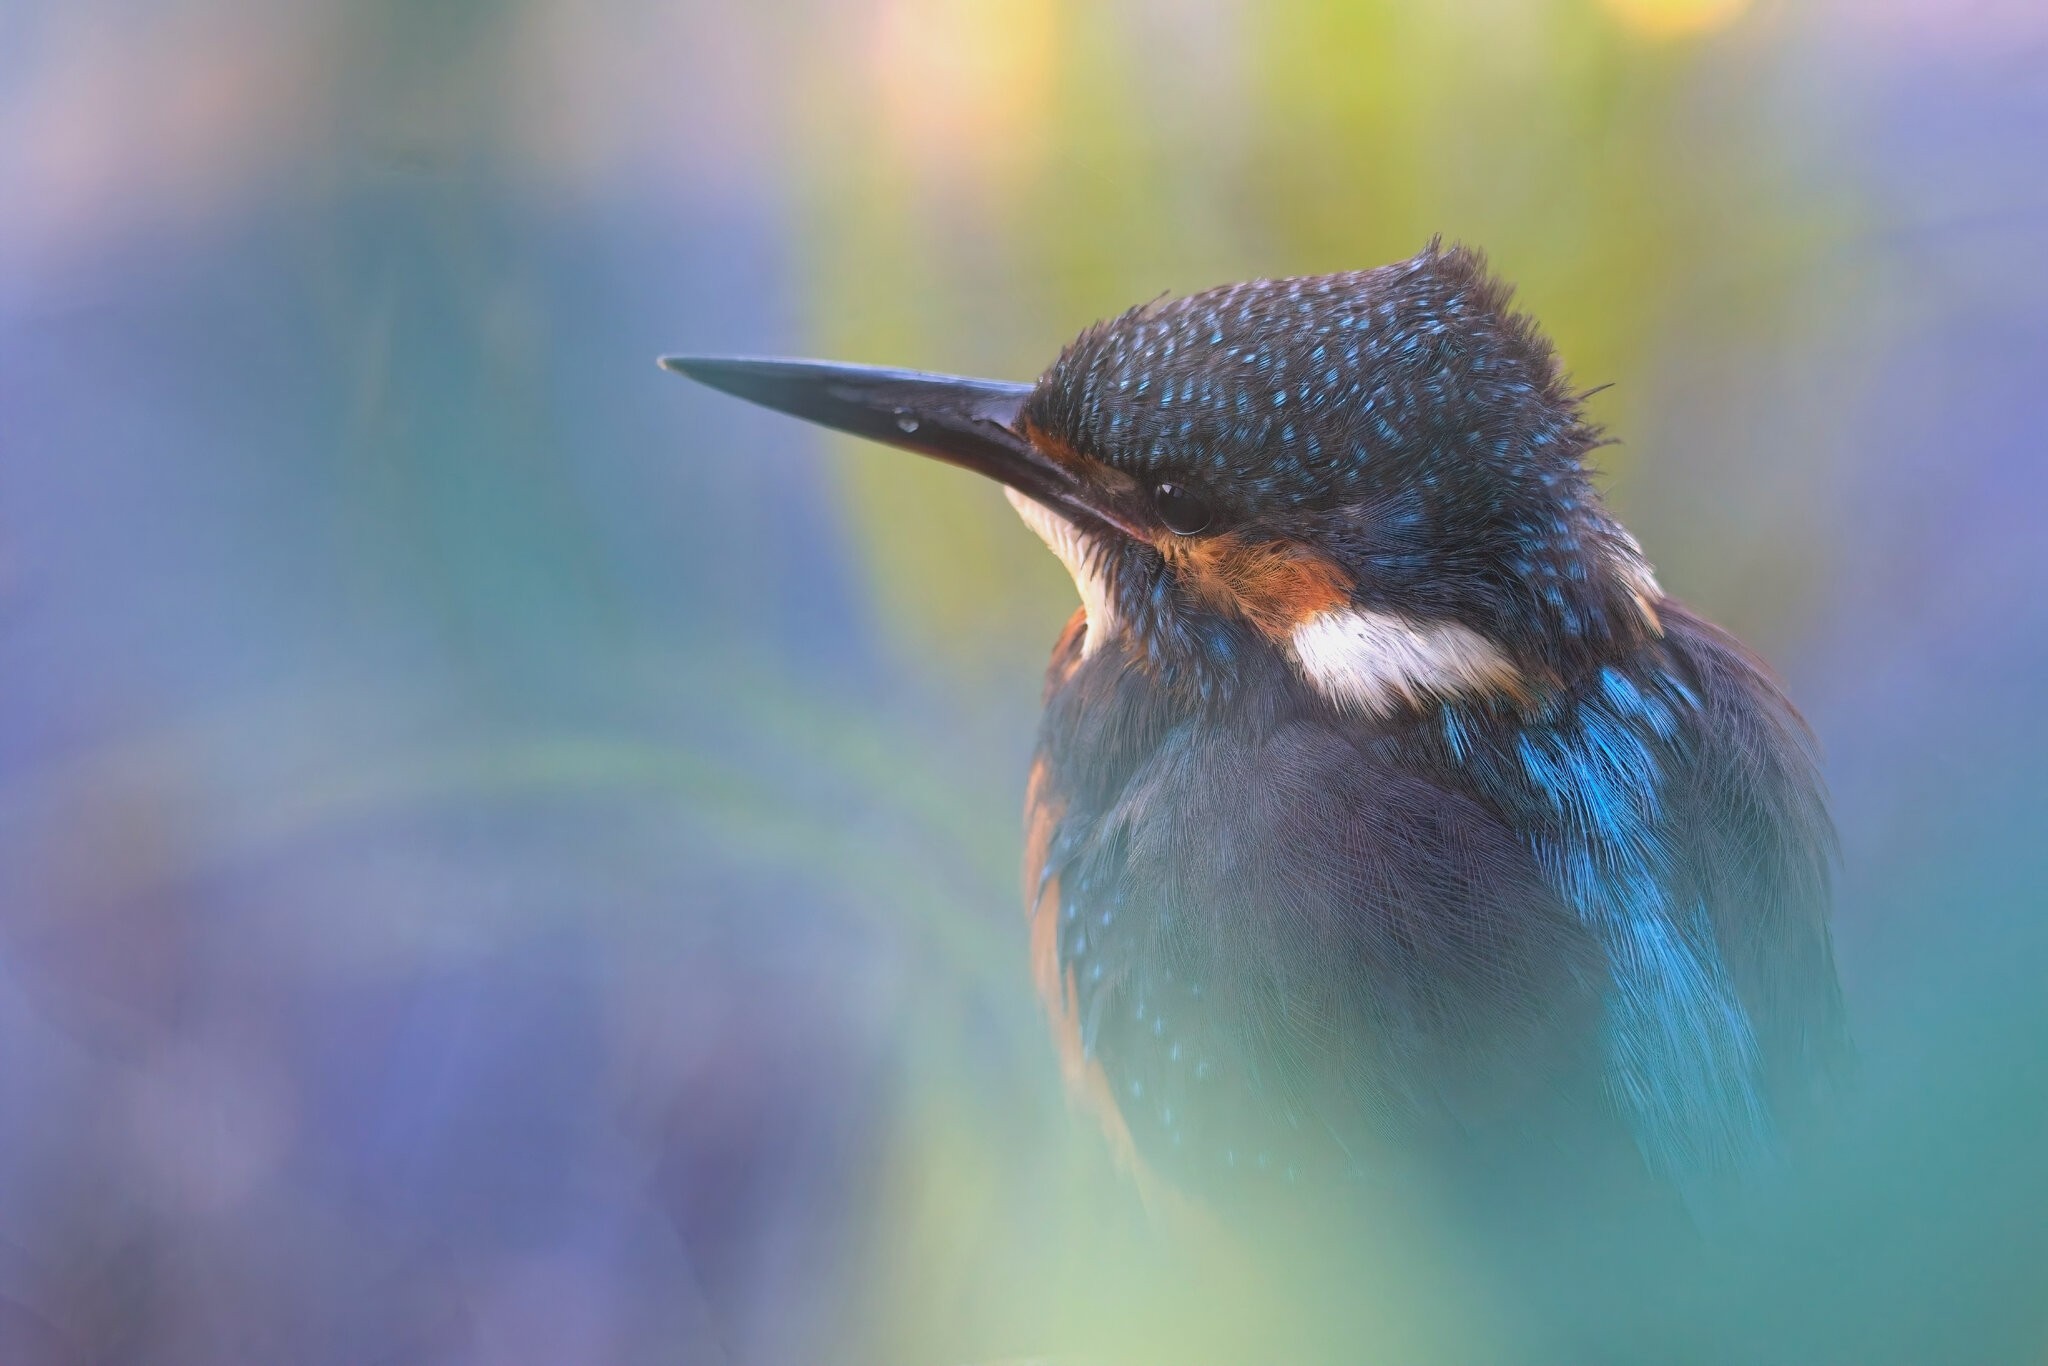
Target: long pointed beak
{"points": [[972, 423]]}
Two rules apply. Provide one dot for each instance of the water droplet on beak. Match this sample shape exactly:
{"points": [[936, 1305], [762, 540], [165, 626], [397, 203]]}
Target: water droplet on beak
{"points": [[906, 423]]}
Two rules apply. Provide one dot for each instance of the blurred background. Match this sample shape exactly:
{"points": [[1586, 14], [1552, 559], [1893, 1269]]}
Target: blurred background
{"points": [[507, 857]]}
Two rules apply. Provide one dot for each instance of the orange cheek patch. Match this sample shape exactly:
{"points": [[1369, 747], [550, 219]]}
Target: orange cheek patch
{"points": [[1274, 586]]}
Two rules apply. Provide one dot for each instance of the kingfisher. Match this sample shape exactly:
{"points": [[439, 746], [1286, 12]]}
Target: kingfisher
{"points": [[1384, 806]]}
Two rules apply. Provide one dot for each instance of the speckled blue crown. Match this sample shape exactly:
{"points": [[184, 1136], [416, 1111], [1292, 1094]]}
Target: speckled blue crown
{"points": [[1308, 388]]}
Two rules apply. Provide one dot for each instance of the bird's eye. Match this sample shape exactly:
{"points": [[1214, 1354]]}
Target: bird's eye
{"points": [[1183, 513]]}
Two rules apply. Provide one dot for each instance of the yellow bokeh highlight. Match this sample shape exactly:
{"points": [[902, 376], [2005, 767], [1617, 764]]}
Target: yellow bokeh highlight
{"points": [[1675, 18], [964, 85]]}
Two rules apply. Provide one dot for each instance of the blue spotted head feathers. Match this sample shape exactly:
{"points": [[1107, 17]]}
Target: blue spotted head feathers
{"points": [[1401, 426]]}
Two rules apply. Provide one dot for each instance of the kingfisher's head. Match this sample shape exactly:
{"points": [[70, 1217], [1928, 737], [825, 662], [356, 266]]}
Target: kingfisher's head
{"points": [[1377, 475]]}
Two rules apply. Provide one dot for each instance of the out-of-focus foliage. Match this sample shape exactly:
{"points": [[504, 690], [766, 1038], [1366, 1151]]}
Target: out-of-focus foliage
{"points": [[506, 857]]}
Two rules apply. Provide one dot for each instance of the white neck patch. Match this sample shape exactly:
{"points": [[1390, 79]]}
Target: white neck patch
{"points": [[1627, 558], [1378, 662], [1083, 561]]}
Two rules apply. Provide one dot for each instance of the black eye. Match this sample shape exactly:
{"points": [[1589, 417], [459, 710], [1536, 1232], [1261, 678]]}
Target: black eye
{"points": [[1183, 513]]}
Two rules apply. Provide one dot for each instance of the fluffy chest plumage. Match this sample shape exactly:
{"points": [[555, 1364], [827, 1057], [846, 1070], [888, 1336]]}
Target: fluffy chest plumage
{"points": [[1284, 943]]}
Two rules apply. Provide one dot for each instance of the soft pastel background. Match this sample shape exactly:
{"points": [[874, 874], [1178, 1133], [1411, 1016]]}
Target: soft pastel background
{"points": [[507, 857]]}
